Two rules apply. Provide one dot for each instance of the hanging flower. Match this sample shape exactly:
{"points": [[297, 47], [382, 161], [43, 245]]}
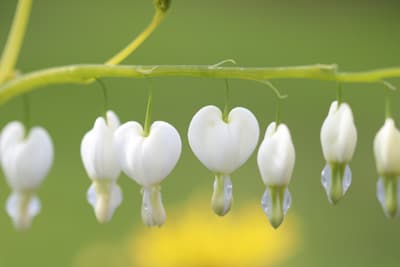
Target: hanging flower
{"points": [[101, 165], [26, 160], [275, 158], [148, 159], [387, 158], [223, 146], [338, 140]]}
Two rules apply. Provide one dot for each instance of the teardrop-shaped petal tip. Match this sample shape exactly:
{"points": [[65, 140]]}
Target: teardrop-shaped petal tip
{"points": [[221, 200], [22, 207], [275, 202], [105, 197], [336, 180], [153, 212], [388, 189]]}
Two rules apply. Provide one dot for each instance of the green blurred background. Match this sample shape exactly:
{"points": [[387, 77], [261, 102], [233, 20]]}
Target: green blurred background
{"points": [[358, 35]]}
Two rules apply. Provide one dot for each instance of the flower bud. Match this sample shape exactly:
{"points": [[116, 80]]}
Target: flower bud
{"points": [[387, 158], [26, 160], [148, 159], [101, 165], [222, 147], [275, 159], [338, 140]]}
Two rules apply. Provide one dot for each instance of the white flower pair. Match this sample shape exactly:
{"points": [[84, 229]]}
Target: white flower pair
{"points": [[224, 146], [338, 139], [109, 148]]}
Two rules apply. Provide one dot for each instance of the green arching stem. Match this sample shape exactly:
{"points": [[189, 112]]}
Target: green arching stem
{"points": [[279, 98], [14, 42], [131, 47], [147, 120], [227, 104], [80, 74]]}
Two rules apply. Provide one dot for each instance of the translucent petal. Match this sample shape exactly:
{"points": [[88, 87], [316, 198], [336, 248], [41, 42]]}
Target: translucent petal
{"points": [[275, 206], [266, 202], [222, 195], [384, 200], [326, 180], [105, 199], [22, 208], [153, 212]]}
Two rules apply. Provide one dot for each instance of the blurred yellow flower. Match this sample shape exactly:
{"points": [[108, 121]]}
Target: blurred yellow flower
{"points": [[194, 237]]}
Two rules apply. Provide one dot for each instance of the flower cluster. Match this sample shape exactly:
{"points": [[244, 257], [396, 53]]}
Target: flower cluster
{"points": [[147, 158], [221, 142]]}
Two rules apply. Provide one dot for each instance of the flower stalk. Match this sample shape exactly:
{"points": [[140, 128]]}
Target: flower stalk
{"points": [[80, 74], [15, 38]]}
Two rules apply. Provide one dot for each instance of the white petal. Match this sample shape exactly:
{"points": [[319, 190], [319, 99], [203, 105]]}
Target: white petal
{"points": [[223, 147], [12, 134], [147, 160], [26, 162], [276, 156], [387, 149], [22, 209], [104, 199], [97, 153], [339, 134]]}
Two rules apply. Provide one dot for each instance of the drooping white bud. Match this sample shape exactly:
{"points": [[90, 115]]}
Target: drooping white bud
{"points": [[101, 165], [148, 159], [276, 156], [338, 140], [275, 159], [223, 146], [387, 158], [26, 160]]}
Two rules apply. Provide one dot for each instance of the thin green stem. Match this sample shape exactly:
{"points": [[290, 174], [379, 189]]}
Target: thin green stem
{"points": [[26, 111], [105, 94], [147, 120], [278, 112], [388, 109], [80, 74], [339, 94], [227, 104], [131, 47], [15, 38]]}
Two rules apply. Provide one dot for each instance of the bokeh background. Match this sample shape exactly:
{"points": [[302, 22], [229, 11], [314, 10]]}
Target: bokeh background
{"points": [[358, 35]]}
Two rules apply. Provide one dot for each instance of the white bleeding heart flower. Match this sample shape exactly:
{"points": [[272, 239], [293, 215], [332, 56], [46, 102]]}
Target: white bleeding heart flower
{"points": [[148, 159], [101, 164], [26, 159], [387, 158], [338, 140], [275, 159], [223, 146]]}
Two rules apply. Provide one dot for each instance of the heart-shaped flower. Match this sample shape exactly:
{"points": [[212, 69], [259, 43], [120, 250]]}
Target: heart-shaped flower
{"points": [[275, 159], [101, 165], [338, 140], [148, 159], [26, 160], [387, 158], [223, 146]]}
